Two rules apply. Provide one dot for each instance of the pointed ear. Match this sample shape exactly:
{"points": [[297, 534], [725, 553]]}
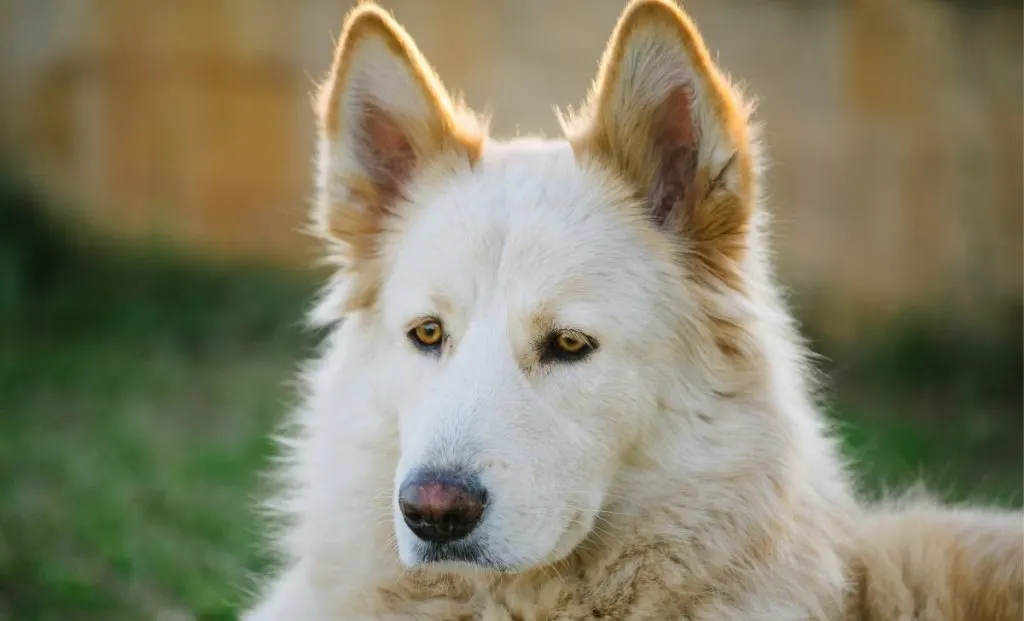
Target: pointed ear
{"points": [[384, 118], [663, 116]]}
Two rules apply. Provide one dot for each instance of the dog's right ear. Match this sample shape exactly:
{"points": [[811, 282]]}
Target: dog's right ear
{"points": [[384, 116]]}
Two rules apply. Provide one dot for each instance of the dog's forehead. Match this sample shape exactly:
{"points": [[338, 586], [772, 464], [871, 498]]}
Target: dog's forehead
{"points": [[524, 191], [526, 154], [528, 221], [527, 181]]}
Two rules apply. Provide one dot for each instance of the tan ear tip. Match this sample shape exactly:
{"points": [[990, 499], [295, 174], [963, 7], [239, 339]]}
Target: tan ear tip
{"points": [[657, 13], [658, 9], [368, 18], [366, 14], [664, 17], [652, 4]]}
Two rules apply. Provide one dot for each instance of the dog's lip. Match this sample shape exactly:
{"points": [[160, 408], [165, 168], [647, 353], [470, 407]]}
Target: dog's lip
{"points": [[459, 555]]}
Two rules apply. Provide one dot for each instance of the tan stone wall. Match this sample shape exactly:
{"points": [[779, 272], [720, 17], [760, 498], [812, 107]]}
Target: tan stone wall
{"points": [[894, 127]]}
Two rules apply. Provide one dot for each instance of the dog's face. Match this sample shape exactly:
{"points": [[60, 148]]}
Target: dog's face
{"points": [[532, 299], [522, 305]]}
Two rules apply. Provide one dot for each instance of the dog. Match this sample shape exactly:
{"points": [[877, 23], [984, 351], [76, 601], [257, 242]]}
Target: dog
{"points": [[559, 382]]}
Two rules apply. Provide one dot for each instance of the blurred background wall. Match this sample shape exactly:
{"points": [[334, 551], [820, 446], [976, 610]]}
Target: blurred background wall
{"points": [[894, 126]]}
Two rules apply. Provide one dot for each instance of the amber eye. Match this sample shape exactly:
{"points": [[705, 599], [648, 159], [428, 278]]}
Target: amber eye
{"points": [[567, 345], [428, 335]]}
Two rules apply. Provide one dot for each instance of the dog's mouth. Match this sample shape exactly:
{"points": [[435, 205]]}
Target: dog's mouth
{"points": [[460, 555], [474, 554]]}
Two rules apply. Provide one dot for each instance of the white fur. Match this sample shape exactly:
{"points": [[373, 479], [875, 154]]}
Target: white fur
{"points": [[700, 480]]}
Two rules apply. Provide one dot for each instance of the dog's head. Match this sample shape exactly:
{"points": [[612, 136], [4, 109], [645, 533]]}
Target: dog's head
{"points": [[549, 315]]}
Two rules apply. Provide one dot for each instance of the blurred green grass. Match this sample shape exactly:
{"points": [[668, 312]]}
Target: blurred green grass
{"points": [[138, 392]]}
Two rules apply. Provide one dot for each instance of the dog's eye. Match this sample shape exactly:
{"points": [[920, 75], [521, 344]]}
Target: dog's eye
{"points": [[428, 335], [567, 345]]}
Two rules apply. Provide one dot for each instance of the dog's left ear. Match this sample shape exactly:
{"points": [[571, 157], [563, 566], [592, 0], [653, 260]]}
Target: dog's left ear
{"points": [[663, 115]]}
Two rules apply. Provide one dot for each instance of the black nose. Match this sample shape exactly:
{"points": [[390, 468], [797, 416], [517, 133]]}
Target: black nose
{"points": [[441, 506]]}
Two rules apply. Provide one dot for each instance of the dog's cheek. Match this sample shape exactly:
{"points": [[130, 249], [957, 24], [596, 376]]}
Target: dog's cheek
{"points": [[621, 404]]}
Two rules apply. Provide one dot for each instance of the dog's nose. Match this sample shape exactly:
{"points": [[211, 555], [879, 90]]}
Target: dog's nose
{"points": [[441, 506]]}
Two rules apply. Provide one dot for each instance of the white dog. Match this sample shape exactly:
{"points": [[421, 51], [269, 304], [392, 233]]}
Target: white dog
{"points": [[560, 383]]}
